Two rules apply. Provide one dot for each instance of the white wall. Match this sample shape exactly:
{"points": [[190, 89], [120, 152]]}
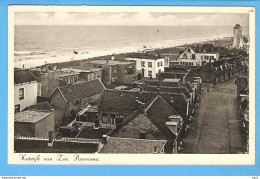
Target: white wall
{"points": [[155, 69], [30, 94]]}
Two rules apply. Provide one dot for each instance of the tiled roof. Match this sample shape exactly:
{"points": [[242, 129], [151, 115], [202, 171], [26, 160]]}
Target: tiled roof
{"points": [[82, 90], [167, 89], [23, 76], [159, 112], [125, 101], [169, 84], [31, 116], [88, 132], [128, 145]]}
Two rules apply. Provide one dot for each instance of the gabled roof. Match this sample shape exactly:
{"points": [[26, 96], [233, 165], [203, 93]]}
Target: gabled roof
{"points": [[125, 101], [31, 116], [23, 76], [158, 112], [81, 90], [128, 145]]}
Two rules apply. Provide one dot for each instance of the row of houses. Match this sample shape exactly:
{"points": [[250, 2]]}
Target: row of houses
{"points": [[147, 117], [243, 106]]}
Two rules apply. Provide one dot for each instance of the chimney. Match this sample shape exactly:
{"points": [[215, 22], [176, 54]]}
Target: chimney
{"points": [[104, 139], [176, 118], [173, 126], [172, 102], [155, 149], [50, 142], [96, 122], [142, 134]]}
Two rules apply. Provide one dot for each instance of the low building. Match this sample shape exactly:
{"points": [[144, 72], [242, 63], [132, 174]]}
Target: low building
{"points": [[76, 96], [117, 145], [87, 74], [54, 79], [148, 65], [25, 89], [33, 123], [114, 71]]}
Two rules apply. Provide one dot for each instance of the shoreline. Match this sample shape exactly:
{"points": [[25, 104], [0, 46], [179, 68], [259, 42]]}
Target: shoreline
{"points": [[173, 50]]}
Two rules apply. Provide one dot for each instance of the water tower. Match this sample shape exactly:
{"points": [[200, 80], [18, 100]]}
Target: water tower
{"points": [[238, 38]]}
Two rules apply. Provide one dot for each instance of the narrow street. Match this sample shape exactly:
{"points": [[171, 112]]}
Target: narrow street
{"points": [[216, 127]]}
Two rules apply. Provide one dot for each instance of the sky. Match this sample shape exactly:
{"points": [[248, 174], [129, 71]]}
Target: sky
{"points": [[131, 19]]}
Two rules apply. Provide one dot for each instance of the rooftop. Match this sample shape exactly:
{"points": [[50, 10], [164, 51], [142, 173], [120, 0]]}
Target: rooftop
{"points": [[128, 145], [59, 73], [144, 56], [23, 76], [41, 106], [111, 62], [88, 132], [31, 116], [81, 90]]}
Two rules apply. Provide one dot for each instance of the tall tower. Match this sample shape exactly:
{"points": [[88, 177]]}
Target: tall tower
{"points": [[238, 38]]}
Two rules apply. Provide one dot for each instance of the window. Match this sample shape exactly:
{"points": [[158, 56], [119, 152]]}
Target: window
{"points": [[66, 80], [161, 63], [193, 56], [184, 56], [113, 118], [104, 118], [75, 78], [21, 93], [142, 63], [158, 64], [189, 50], [149, 73], [71, 79], [17, 108], [150, 64], [130, 70]]}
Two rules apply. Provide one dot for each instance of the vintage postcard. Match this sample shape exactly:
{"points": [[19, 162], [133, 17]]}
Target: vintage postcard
{"points": [[131, 85]]}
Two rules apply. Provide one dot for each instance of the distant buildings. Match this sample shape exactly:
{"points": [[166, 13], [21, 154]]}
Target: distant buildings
{"points": [[57, 78], [148, 65], [25, 89], [114, 71], [196, 56]]}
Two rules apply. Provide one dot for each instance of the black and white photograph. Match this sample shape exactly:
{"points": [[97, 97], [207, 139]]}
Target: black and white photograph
{"points": [[87, 83]]}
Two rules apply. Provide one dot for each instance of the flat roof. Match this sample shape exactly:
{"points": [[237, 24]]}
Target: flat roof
{"points": [[111, 62], [61, 73], [31, 116]]}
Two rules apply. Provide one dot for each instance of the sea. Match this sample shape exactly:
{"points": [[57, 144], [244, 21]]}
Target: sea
{"points": [[38, 45]]}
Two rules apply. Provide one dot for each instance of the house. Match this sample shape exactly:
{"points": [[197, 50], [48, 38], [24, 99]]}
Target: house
{"points": [[76, 96], [157, 121], [117, 145], [114, 71], [197, 56], [33, 123], [56, 78], [25, 89], [116, 105], [149, 65]]}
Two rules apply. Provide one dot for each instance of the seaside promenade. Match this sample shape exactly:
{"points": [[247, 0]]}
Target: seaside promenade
{"points": [[216, 128]]}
